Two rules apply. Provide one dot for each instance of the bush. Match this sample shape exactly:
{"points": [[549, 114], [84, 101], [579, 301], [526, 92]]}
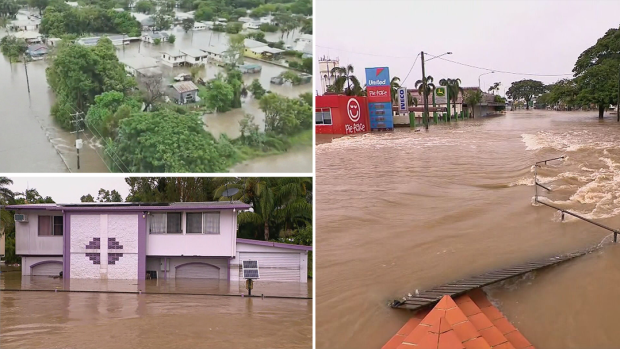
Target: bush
{"points": [[234, 27], [157, 41], [268, 28], [293, 53], [172, 38], [219, 28]]}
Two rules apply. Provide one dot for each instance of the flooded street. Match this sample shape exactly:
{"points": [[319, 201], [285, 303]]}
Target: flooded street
{"points": [[30, 140], [410, 210], [95, 320]]}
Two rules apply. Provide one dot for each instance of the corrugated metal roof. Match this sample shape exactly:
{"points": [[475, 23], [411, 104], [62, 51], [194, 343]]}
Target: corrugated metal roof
{"points": [[184, 86]]}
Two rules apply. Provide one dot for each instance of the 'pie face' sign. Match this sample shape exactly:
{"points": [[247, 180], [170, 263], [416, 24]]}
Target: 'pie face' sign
{"points": [[353, 109]]}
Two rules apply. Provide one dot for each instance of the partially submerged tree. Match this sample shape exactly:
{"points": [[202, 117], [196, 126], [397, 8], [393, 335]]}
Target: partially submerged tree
{"points": [[13, 48], [526, 90], [473, 98], [187, 24], [425, 92]]}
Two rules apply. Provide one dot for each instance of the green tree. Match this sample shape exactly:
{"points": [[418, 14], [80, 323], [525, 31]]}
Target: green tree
{"points": [[285, 116], [13, 48], [196, 70], [250, 134], [344, 77], [526, 89], [219, 96], [166, 141], [7, 197], [425, 92], [596, 71], [454, 88], [473, 98], [172, 38], [291, 77], [144, 6], [187, 24], [162, 19], [495, 87], [87, 198], [204, 12], [234, 79], [564, 92], [40, 4], [234, 54], [157, 41], [394, 86], [77, 74], [8, 8], [257, 89], [109, 196]]}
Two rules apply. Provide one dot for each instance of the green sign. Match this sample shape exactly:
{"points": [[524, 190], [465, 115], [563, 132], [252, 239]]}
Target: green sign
{"points": [[440, 91]]}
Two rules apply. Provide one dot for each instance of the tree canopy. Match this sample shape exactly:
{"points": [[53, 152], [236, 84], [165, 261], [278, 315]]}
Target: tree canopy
{"points": [[60, 19], [526, 90]]}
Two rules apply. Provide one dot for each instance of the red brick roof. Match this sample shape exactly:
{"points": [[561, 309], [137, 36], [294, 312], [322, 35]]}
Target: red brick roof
{"points": [[467, 322]]}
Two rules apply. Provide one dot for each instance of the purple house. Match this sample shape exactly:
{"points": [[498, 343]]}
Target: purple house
{"points": [[140, 240]]}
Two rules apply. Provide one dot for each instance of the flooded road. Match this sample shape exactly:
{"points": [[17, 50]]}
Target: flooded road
{"points": [[410, 210], [30, 140], [101, 320]]}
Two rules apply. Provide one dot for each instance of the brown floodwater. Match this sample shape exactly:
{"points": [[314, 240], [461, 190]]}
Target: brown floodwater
{"points": [[31, 141], [31, 319], [410, 210]]}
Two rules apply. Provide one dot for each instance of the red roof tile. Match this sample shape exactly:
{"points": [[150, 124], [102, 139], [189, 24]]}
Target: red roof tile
{"points": [[467, 322]]}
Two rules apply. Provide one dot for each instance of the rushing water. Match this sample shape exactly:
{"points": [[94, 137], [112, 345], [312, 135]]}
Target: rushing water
{"points": [[410, 210], [30, 140], [104, 320]]}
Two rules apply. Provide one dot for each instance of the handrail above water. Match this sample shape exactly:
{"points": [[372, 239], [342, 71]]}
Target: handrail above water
{"points": [[536, 185]]}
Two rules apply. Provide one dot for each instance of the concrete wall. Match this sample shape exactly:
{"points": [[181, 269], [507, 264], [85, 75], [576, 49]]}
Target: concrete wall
{"points": [[104, 246], [222, 244], [235, 264], [28, 241], [28, 261]]}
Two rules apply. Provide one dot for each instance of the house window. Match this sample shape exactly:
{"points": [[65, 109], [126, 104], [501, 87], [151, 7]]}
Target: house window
{"points": [[203, 223], [197, 58], [50, 226], [323, 116], [165, 223]]}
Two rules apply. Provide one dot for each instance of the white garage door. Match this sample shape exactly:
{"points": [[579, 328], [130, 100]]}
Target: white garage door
{"points": [[197, 271], [47, 269], [274, 266]]}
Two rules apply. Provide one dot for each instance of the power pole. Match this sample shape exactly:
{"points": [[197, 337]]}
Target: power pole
{"points": [[618, 101], [424, 92], [78, 119], [26, 69]]}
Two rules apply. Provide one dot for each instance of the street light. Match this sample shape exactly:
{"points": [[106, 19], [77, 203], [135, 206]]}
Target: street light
{"points": [[424, 86], [491, 72]]}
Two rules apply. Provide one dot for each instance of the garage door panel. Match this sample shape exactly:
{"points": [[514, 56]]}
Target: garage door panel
{"points": [[47, 269], [274, 266], [197, 271]]}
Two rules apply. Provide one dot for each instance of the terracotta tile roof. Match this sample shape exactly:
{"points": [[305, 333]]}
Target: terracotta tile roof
{"points": [[467, 322]]}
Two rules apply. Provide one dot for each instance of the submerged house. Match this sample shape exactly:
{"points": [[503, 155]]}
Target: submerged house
{"points": [[37, 51], [184, 92], [141, 66], [152, 36], [257, 49], [133, 240]]}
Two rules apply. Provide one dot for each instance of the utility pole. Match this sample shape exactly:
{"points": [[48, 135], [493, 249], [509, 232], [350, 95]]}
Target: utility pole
{"points": [[78, 119], [26, 69], [618, 101], [424, 92]]}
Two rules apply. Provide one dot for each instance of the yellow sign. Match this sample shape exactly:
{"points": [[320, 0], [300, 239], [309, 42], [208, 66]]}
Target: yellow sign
{"points": [[440, 91]]}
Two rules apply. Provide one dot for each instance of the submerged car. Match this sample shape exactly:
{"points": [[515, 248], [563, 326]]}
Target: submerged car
{"points": [[183, 77]]}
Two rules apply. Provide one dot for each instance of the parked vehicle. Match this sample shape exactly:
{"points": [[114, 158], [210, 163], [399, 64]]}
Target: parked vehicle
{"points": [[183, 77]]}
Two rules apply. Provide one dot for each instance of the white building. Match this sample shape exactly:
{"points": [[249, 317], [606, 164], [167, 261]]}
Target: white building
{"points": [[215, 53], [133, 65], [325, 67], [29, 36], [150, 37], [132, 240], [199, 26], [172, 59], [194, 56]]}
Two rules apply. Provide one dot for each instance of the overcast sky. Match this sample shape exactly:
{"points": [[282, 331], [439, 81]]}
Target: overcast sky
{"points": [[540, 37], [69, 189]]}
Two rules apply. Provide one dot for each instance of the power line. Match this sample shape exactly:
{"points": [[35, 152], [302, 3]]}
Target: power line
{"points": [[496, 70], [410, 69], [445, 59]]}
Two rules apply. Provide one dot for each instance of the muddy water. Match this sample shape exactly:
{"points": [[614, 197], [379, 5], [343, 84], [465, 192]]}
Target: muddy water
{"points": [[101, 320], [411, 210], [30, 140]]}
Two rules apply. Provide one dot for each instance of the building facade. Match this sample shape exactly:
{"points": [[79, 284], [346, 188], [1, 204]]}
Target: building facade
{"points": [[339, 114], [139, 241]]}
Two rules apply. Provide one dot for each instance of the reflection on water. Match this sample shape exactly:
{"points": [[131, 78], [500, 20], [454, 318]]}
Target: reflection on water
{"points": [[30, 141], [423, 209], [102, 320]]}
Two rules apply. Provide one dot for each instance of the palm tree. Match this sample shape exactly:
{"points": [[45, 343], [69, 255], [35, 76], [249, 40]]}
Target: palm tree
{"points": [[473, 98], [430, 87], [6, 197], [394, 86], [494, 87], [454, 88], [412, 100], [344, 76]]}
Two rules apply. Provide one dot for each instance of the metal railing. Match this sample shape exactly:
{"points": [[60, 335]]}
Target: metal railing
{"points": [[536, 185]]}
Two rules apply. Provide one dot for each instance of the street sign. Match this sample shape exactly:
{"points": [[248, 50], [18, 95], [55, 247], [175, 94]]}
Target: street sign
{"points": [[402, 100], [441, 95]]}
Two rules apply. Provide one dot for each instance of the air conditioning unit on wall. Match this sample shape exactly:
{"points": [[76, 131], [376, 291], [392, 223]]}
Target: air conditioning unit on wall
{"points": [[22, 218]]}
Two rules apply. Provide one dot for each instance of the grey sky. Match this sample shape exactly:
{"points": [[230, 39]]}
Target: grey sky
{"points": [[69, 189], [542, 37]]}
